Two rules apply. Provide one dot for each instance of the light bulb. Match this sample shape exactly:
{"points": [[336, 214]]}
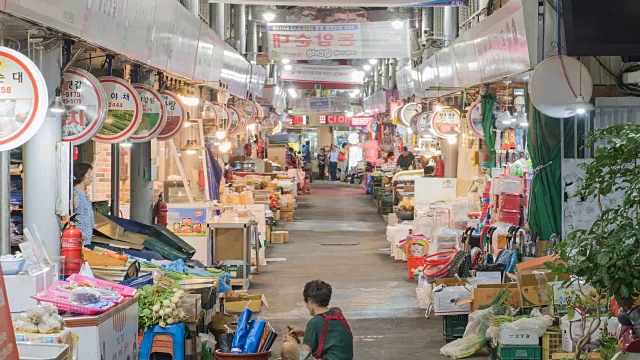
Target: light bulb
{"points": [[366, 67], [452, 139], [397, 24], [191, 152], [507, 121], [349, 113], [409, 131], [373, 61], [251, 127], [352, 95], [579, 110], [438, 107], [224, 147], [285, 61], [288, 67], [126, 144], [268, 16], [57, 106], [220, 134], [186, 124]]}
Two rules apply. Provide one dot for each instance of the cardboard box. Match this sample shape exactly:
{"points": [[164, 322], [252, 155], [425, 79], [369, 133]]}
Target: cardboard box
{"points": [[288, 207], [279, 237], [451, 300], [286, 215], [241, 300], [484, 294], [537, 263], [558, 295], [219, 323], [571, 329], [452, 282], [533, 286]]}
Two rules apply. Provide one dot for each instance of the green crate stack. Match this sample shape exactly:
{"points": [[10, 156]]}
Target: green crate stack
{"points": [[453, 326], [515, 352]]}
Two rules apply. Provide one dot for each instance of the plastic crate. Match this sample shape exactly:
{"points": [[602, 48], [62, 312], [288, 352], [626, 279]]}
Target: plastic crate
{"points": [[385, 210], [514, 352], [237, 271], [551, 343], [453, 326]]}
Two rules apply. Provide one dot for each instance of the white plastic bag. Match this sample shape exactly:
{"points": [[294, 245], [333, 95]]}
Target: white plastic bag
{"points": [[474, 338]]}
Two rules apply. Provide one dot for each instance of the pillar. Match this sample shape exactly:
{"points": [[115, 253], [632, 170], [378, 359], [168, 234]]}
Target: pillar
{"points": [[392, 74], [40, 162], [450, 158], [192, 5], [216, 18], [5, 210], [240, 27], [450, 24], [376, 77], [385, 74]]}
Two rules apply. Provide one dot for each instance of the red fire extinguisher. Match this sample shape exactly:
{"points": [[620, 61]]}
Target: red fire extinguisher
{"points": [[160, 212], [71, 247], [439, 168], [228, 177]]}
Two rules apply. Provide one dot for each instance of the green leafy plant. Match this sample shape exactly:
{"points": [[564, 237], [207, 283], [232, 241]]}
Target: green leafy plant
{"points": [[606, 255], [607, 346]]}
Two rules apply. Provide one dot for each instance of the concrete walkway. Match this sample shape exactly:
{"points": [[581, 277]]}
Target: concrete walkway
{"points": [[339, 237]]}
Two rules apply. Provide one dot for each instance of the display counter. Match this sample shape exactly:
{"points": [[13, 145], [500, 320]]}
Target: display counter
{"points": [[111, 335]]}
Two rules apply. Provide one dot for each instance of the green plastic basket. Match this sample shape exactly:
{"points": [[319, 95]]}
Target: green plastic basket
{"points": [[453, 326], [520, 352]]}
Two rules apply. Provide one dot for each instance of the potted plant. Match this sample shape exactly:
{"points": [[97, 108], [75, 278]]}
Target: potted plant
{"points": [[606, 255]]}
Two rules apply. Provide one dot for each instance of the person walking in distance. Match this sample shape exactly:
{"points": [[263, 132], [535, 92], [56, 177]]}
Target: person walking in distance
{"points": [[333, 162], [322, 163]]}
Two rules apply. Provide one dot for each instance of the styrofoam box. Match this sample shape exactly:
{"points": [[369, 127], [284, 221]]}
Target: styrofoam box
{"points": [[518, 337], [570, 329], [447, 301]]}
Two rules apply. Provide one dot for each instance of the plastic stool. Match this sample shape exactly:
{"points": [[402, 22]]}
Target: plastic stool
{"points": [[169, 340]]}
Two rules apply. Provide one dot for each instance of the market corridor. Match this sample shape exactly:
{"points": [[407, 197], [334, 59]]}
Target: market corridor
{"points": [[339, 237]]}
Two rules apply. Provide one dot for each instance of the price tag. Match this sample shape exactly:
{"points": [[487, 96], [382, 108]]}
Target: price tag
{"points": [[176, 115], [86, 106], [124, 111], [154, 117], [23, 99]]}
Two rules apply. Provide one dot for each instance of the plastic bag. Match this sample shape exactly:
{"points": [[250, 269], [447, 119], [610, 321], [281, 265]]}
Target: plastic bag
{"points": [[85, 295], [225, 342], [36, 313], [538, 325], [474, 338], [240, 337], [424, 292], [24, 326], [254, 337], [208, 341], [49, 325], [51, 309]]}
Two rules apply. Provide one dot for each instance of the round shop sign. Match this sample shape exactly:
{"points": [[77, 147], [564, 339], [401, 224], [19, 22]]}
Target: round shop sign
{"points": [[423, 122], [250, 111], [372, 126], [474, 117], [238, 117], [154, 114], [85, 102], [446, 122], [224, 116], [209, 119], [176, 115], [259, 110], [407, 112], [23, 99], [270, 122], [234, 123], [124, 111]]}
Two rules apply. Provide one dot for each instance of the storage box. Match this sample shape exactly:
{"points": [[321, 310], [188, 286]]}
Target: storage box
{"points": [[559, 295], [538, 263], [518, 337], [571, 329], [240, 300], [451, 301], [288, 207], [533, 286], [286, 215], [484, 294], [192, 306], [279, 237]]}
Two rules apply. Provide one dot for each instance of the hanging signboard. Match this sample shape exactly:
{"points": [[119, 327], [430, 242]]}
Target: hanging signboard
{"points": [[270, 122], [224, 116], [321, 104], [176, 115], [8, 347], [446, 122], [124, 111], [377, 39], [210, 120], [323, 74], [86, 106], [474, 116], [154, 114], [250, 111], [361, 120], [297, 120], [421, 123], [237, 117], [23, 99], [407, 111]]}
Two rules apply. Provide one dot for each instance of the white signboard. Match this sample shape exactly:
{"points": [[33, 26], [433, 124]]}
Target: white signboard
{"points": [[65, 15], [237, 117], [125, 111], [154, 116], [162, 37], [323, 74], [321, 105], [86, 104], [105, 23], [186, 31], [314, 41], [176, 115], [23, 99], [446, 122], [138, 33]]}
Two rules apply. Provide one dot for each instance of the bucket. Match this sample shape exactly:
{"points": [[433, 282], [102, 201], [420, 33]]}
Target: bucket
{"points": [[414, 262], [258, 356]]}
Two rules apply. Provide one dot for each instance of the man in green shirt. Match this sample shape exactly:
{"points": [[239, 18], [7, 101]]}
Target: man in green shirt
{"points": [[406, 159], [327, 336]]}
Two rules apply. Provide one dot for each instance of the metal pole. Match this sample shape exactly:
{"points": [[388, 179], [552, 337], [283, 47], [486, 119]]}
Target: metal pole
{"points": [[253, 37], [376, 77], [450, 24], [115, 160], [5, 211], [240, 29], [385, 74], [392, 74]]}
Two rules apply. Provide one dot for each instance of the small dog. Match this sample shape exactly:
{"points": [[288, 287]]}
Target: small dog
{"points": [[291, 344]]}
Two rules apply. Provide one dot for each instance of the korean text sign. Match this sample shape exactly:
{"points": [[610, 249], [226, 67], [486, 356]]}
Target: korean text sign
{"points": [[315, 41]]}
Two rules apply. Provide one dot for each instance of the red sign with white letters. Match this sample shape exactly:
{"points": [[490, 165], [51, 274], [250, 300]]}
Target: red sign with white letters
{"points": [[344, 120]]}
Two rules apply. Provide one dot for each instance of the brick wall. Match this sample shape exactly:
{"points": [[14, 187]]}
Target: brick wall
{"points": [[101, 187]]}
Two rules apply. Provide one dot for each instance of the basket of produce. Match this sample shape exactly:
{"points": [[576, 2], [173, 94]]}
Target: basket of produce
{"points": [[405, 209]]}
